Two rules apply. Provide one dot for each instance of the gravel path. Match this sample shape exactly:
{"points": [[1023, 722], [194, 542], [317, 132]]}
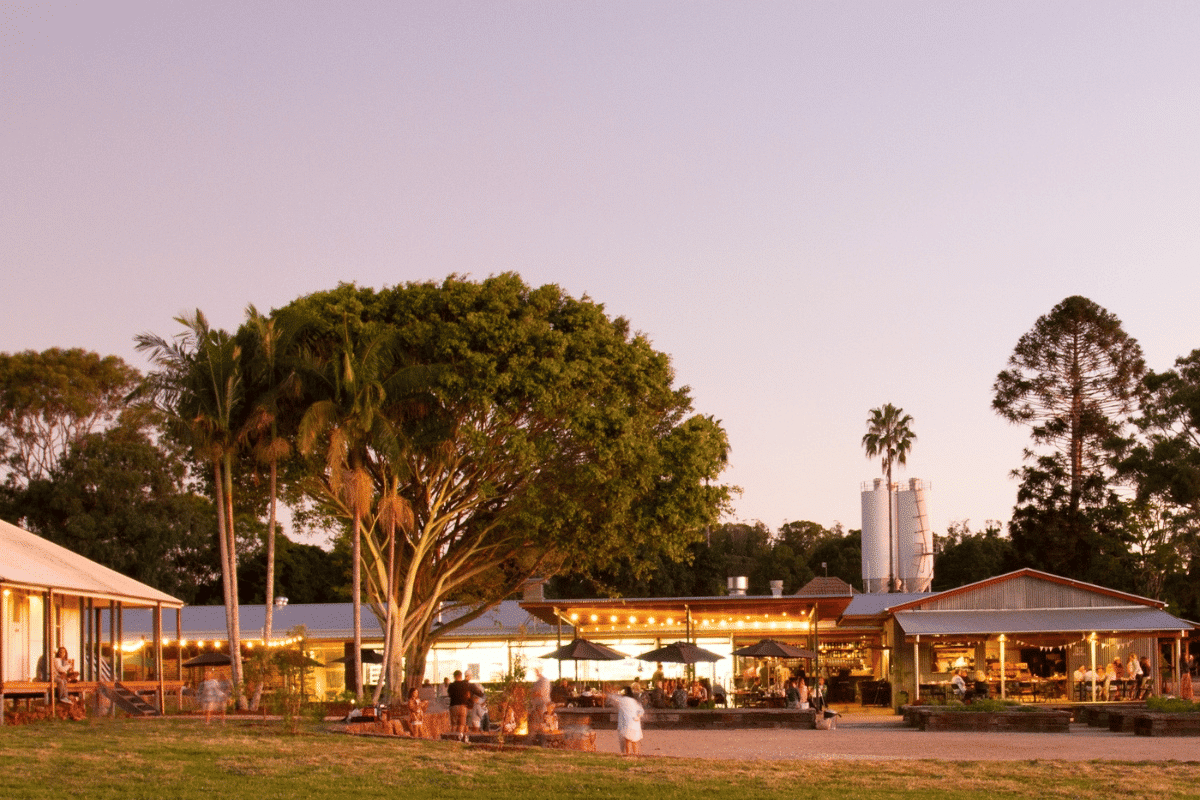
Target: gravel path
{"points": [[883, 738]]}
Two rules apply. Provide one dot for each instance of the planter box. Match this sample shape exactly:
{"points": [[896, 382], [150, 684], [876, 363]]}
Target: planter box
{"points": [[1151, 723], [692, 718], [932, 719]]}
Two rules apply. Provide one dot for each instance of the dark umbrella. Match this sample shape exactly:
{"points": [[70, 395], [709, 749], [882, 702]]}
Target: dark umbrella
{"points": [[209, 660], [680, 653], [769, 648], [368, 657], [293, 658], [583, 650]]}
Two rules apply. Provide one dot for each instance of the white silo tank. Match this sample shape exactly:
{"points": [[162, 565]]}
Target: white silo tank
{"points": [[914, 557], [876, 554]]}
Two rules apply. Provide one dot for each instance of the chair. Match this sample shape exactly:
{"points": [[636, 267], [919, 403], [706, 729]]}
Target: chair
{"points": [[719, 697]]}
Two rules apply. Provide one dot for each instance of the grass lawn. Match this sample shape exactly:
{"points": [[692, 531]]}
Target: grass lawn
{"points": [[183, 758]]}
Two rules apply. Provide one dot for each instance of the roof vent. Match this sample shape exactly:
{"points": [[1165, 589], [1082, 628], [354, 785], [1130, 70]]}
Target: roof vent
{"points": [[776, 588], [737, 586], [532, 592]]}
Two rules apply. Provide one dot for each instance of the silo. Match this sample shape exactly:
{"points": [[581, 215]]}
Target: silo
{"points": [[876, 554], [914, 557]]}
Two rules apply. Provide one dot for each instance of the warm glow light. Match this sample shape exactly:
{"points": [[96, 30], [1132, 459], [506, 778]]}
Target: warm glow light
{"points": [[613, 618], [574, 617], [670, 620], [594, 618], [632, 619], [650, 620]]}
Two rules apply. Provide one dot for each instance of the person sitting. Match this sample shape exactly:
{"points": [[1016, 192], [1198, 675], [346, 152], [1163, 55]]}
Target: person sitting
{"points": [[561, 693], [64, 672], [679, 699], [959, 685], [792, 695]]}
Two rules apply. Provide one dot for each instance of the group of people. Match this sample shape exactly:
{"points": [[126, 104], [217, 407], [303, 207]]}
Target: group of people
{"points": [[468, 705], [672, 693], [1112, 678], [797, 694]]}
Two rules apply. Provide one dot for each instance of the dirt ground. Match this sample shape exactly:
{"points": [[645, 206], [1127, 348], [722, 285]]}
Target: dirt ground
{"points": [[879, 737]]}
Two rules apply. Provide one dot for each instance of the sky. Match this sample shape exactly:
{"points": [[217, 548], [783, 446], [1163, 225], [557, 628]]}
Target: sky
{"points": [[814, 208]]}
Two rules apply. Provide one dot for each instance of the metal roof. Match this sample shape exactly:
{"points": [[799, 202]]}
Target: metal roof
{"points": [[332, 621], [1123, 619], [875, 604], [29, 561]]}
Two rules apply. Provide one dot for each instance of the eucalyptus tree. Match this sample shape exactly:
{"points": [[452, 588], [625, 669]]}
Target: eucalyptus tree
{"points": [[530, 434], [1073, 379], [198, 384], [52, 400], [889, 435], [1163, 462]]}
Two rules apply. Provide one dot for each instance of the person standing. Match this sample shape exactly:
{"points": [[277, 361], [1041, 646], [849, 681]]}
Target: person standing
{"points": [[629, 722], [460, 703], [212, 696], [539, 697], [818, 697]]}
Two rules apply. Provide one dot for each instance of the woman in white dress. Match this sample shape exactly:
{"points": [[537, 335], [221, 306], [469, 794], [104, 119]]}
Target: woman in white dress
{"points": [[629, 722]]}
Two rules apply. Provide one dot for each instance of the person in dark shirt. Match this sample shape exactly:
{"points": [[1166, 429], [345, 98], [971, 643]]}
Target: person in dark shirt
{"points": [[460, 702], [561, 693]]}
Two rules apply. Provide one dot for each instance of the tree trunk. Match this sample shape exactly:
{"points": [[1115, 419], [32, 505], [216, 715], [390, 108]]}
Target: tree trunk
{"points": [[270, 591], [356, 583], [235, 636], [389, 638], [414, 663]]}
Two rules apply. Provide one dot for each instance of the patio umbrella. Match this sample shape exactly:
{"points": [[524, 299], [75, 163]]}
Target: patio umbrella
{"points": [[583, 650], [293, 658], [680, 653], [209, 660], [769, 648], [368, 657]]}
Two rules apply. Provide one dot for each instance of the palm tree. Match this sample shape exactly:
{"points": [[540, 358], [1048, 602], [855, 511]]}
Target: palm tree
{"points": [[347, 419], [889, 435], [198, 385], [269, 385]]}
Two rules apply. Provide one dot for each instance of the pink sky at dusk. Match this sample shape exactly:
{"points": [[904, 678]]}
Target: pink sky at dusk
{"points": [[814, 207]]}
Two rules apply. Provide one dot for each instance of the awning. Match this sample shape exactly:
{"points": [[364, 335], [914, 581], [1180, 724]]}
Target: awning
{"points": [[1121, 619]]}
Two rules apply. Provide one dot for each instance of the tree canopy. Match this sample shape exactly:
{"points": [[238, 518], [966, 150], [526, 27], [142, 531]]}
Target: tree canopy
{"points": [[1163, 462], [526, 431], [1073, 379], [52, 399]]}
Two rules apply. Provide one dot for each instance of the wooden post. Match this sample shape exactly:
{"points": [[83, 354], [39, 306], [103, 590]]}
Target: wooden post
{"points": [[3, 649], [179, 660], [158, 659], [917, 668], [47, 600], [112, 644]]}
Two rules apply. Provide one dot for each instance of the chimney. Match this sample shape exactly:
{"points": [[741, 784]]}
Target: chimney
{"points": [[776, 588], [532, 590], [737, 586]]}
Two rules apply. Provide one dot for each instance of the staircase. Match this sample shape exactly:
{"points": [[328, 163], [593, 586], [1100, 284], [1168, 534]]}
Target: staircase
{"points": [[127, 700]]}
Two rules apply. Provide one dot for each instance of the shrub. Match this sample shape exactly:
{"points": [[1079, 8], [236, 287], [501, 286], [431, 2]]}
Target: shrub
{"points": [[1172, 705]]}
